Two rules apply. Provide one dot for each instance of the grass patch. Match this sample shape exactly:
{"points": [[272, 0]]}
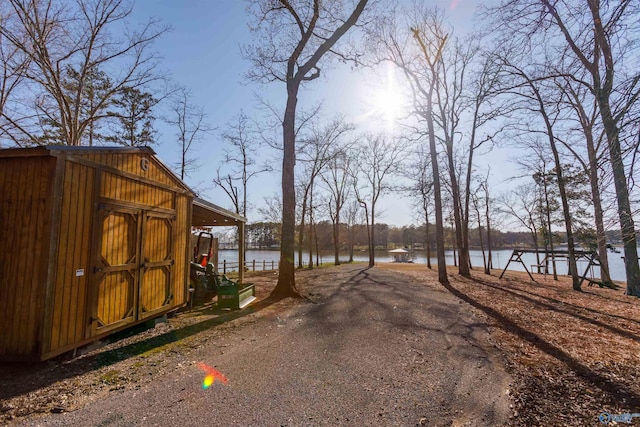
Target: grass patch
{"points": [[111, 377]]}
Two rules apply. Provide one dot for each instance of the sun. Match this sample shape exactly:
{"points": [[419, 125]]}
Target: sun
{"points": [[385, 97], [388, 100], [389, 103]]}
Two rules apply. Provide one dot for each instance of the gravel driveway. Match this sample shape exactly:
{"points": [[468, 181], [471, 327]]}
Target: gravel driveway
{"points": [[372, 348]]}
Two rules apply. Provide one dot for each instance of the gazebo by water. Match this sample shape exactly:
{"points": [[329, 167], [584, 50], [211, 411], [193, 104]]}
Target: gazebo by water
{"points": [[400, 255]]}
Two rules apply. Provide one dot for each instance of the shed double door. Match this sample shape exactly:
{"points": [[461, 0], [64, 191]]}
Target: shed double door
{"points": [[133, 266]]}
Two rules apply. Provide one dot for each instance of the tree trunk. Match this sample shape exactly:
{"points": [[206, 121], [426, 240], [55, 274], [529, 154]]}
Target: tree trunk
{"points": [[573, 268], [427, 240], [315, 237], [549, 233], [286, 285], [182, 166], [301, 229], [454, 240], [463, 255], [489, 266], [631, 266], [484, 257], [372, 240], [602, 88], [351, 239], [442, 263], [467, 196], [534, 237], [427, 114], [244, 201], [597, 209], [336, 238], [311, 223], [366, 216]]}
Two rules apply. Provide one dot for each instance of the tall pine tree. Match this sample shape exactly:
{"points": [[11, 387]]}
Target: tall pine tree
{"points": [[133, 114]]}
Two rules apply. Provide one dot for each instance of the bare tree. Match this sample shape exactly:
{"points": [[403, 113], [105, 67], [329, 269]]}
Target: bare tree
{"points": [[416, 50], [190, 123], [597, 57], [585, 110], [13, 66], [240, 161], [336, 179], [319, 149], [293, 38], [600, 36], [377, 161], [415, 47], [271, 209], [420, 189], [96, 84], [229, 185], [521, 204], [484, 186], [480, 99], [543, 178], [549, 124], [61, 37], [351, 212], [476, 207], [431, 49], [450, 106]]}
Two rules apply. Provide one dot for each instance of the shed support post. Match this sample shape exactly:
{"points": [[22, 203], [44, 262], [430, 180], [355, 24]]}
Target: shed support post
{"points": [[241, 252]]}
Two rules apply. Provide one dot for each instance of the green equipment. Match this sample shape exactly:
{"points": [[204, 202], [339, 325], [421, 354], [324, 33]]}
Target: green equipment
{"points": [[234, 296], [202, 272], [206, 283]]}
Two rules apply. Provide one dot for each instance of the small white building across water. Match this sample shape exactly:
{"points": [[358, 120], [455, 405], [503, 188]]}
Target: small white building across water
{"points": [[400, 255]]}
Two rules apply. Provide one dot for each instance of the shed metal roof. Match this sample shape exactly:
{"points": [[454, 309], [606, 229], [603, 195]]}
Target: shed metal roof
{"points": [[208, 214]]}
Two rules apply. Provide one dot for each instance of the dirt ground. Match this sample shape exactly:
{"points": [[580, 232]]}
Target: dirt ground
{"points": [[573, 356]]}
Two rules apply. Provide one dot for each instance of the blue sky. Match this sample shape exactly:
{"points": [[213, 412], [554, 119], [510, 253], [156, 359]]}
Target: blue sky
{"points": [[202, 53]]}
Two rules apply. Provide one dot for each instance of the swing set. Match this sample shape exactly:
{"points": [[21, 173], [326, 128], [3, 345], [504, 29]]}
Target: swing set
{"points": [[591, 257]]}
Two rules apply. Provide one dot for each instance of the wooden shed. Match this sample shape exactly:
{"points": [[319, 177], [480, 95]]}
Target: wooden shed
{"points": [[92, 240]]}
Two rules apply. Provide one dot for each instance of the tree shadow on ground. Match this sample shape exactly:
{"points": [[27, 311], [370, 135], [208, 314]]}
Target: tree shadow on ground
{"points": [[374, 289], [615, 390], [577, 307], [20, 378], [559, 309]]}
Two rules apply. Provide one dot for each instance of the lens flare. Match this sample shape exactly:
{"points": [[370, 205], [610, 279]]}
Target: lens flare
{"points": [[208, 380], [211, 375]]}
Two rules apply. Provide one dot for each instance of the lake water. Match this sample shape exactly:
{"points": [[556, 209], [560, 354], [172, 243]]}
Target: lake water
{"points": [[500, 259]]}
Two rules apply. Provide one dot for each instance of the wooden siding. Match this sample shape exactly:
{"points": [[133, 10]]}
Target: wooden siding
{"points": [[182, 249], [115, 268], [114, 187], [25, 212], [69, 314], [90, 243], [158, 263], [131, 163]]}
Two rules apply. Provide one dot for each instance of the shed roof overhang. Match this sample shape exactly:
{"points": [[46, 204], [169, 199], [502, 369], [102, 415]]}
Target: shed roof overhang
{"points": [[206, 214]]}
